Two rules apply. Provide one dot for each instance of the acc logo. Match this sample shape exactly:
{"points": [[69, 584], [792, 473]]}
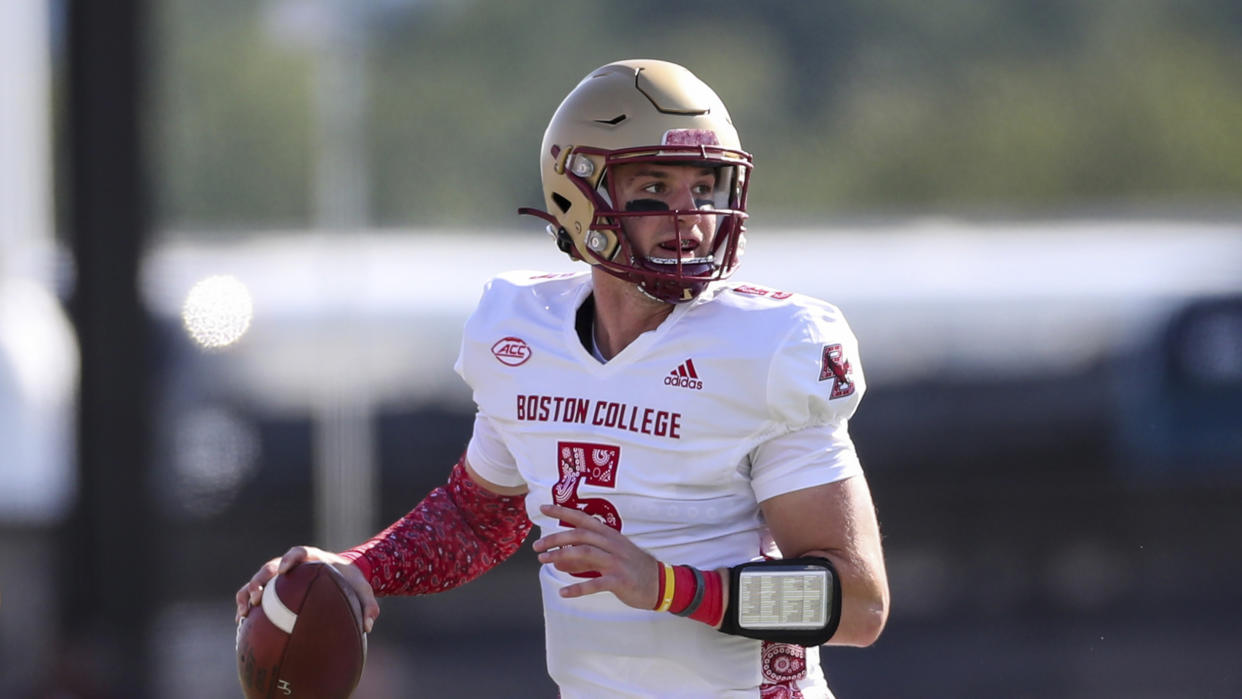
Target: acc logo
{"points": [[511, 351]]}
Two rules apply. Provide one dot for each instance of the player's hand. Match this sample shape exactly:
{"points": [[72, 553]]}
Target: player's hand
{"points": [[625, 570], [251, 594]]}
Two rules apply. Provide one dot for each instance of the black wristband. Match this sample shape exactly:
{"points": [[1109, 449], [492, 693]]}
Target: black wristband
{"points": [[695, 601]]}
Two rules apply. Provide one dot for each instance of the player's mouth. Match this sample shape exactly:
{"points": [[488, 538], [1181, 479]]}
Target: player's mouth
{"points": [[675, 248]]}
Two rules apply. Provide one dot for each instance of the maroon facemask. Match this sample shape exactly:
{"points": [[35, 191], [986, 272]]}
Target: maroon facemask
{"points": [[673, 279]]}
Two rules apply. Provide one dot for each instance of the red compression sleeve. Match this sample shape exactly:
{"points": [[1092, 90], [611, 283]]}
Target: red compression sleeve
{"points": [[457, 533]]}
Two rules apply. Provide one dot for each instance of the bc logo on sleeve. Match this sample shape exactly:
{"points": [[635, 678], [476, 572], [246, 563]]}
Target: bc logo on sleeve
{"points": [[836, 367]]}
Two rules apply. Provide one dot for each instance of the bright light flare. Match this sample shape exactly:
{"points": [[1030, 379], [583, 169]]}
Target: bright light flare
{"points": [[217, 311]]}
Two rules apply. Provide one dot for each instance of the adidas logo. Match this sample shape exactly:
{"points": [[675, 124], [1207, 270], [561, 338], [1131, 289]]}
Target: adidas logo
{"points": [[684, 376]]}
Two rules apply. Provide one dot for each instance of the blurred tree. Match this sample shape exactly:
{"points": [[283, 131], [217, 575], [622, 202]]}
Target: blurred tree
{"points": [[231, 112], [889, 106]]}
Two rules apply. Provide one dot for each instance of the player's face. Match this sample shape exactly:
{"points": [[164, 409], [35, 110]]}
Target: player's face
{"points": [[687, 189]]}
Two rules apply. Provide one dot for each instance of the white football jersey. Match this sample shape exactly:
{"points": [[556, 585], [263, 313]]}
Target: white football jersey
{"points": [[738, 396]]}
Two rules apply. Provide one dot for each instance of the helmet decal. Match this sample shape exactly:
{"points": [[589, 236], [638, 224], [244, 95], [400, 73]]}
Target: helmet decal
{"points": [[689, 137]]}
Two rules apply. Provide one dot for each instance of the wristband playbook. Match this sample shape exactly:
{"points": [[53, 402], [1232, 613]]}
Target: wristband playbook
{"points": [[795, 600]]}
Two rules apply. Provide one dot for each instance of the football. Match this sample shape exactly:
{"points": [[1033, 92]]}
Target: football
{"points": [[306, 638]]}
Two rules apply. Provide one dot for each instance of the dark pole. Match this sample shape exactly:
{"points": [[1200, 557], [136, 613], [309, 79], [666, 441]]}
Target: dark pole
{"points": [[110, 576]]}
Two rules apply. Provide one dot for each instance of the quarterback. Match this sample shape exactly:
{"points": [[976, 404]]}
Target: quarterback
{"points": [[679, 439]]}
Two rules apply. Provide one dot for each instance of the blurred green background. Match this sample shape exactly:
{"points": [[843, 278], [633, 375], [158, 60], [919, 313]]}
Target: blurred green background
{"points": [[852, 108]]}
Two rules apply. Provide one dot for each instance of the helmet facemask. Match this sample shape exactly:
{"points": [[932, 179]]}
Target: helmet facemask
{"points": [[712, 227], [672, 279]]}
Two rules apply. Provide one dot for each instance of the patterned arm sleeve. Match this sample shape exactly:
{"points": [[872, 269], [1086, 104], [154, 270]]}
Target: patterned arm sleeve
{"points": [[457, 533]]}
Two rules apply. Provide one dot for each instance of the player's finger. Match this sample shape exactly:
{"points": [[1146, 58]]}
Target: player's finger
{"points": [[366, 595], [243, 602], [251, 593], [589, 587], [243, 598], [292, 557], [369, 615], [266, 572], [578, 558], [575, 518], [571, 537], [370, 607], [370, 610]]}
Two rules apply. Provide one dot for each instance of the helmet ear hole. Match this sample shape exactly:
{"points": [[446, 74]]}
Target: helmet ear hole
{"points": [[561, 203], [565, 243]]}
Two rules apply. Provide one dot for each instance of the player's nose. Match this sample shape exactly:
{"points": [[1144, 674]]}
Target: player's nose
{"points": [[683, 198], [684, 203]]}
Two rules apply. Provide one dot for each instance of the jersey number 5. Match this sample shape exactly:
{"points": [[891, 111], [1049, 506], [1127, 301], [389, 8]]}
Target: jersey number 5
{"points": [[594, 464]]}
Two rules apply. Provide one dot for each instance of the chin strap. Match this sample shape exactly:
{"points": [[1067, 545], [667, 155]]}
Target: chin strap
{"points": [[660, 289]]}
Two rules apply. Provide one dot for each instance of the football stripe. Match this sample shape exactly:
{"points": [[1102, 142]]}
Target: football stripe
{"points": [[281, 616]]}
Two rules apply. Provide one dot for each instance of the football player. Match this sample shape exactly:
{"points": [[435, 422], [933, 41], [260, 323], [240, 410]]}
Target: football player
{"points": [[679, 439]]}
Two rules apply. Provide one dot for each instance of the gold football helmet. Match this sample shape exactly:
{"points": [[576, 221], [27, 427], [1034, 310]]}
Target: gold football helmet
{"points": [[632, 112]]}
